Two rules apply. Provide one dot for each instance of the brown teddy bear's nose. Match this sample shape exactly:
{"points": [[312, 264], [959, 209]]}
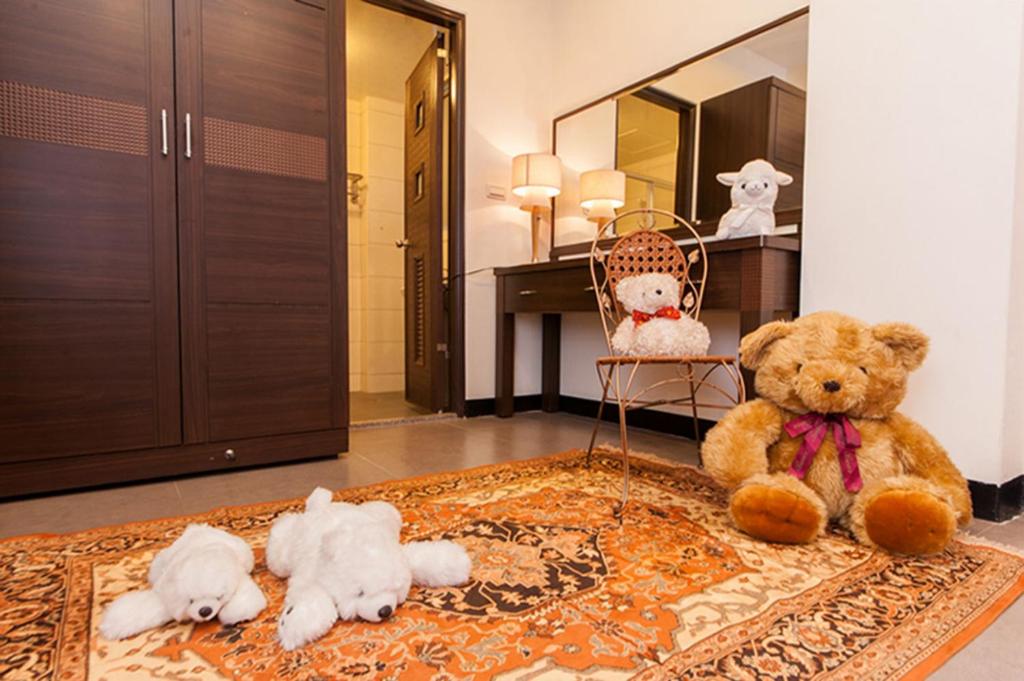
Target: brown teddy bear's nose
{"points": [[205, 611], [831, 386]]}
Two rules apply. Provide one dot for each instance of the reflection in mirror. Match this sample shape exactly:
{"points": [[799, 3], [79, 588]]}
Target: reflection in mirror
{"points": [[586, 145], [654, 131], [673, 136]]}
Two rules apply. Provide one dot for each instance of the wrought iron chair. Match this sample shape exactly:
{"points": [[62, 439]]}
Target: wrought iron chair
{"points": [[642, 251]]}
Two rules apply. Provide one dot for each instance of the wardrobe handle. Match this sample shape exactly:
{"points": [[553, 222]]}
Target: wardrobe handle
{"points": [[163, 131], [188, 135]]}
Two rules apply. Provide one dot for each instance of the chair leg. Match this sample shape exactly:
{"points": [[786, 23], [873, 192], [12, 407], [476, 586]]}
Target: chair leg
{"points": [[693, 406], [620, 508], [597, 423]]}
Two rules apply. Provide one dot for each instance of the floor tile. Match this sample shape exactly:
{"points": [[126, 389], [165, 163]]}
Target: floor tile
{"points": [[367, 406], [207, 492], [61, 513]]}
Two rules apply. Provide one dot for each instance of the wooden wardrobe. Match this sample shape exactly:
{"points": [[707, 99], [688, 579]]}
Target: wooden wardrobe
{"points": [[172, 238]]}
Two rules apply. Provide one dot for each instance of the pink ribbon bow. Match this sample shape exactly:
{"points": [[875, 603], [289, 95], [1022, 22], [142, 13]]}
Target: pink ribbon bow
{"points": [[814, 429]]}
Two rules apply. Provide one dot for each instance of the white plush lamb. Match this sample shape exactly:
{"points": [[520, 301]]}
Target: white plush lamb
{"points": [[204, 574], [344, 561], [754, 190], [656, 325]]}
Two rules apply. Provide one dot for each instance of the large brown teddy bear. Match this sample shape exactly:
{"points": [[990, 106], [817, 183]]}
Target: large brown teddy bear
{"points": [[825, 441]]}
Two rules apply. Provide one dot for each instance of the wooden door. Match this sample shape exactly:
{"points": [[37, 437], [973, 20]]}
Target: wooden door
{"points": [[425, 368], [262, 225], [88, 283]]}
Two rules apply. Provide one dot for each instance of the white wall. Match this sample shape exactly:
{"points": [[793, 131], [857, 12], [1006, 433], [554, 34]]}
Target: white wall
{"points": [[508, 111], [911, 173]]}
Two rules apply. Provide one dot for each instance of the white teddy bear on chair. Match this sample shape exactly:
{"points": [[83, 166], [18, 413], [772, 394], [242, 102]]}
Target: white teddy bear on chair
{"points": [[656, 326], [344, 561], [204, 574]]}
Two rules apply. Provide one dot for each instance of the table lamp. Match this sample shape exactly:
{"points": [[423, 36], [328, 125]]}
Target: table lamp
{"points": [[536, 178], [601, 192]]}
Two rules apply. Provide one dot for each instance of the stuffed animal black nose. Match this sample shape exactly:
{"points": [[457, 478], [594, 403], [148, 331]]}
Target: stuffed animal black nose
{"points": [[657, 291], [384, 612], [205, 611], [831, 386]]}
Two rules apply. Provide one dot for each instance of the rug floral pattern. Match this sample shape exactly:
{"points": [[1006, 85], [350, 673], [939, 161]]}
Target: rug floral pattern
{"points": [[559, 590]]}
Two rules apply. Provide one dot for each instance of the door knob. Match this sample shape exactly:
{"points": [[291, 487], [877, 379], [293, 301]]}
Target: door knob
{"points": [[404, 243]]}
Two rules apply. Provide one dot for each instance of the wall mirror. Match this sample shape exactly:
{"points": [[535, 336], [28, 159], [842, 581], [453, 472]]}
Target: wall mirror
{"points": [[672, 133]]}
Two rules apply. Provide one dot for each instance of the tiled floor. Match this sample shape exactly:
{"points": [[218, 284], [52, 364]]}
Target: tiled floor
{"points": [[389, 453], [375, 406]]}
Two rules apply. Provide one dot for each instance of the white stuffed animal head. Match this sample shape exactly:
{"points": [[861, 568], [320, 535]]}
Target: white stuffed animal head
{"points": [[370, 576], [204, 582], [648, 292], [756, 184], [201, 582]]}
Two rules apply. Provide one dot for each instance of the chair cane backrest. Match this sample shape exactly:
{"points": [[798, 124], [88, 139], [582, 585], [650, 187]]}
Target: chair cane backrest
{"points": [[644, 251]]}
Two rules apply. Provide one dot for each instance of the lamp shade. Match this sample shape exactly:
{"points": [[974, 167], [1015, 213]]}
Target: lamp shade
{"points": [[536, 177], [601, 192]]}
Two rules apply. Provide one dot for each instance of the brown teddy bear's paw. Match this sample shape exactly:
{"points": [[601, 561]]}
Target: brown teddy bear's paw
{"points": [[777, 513], [909, 521]]}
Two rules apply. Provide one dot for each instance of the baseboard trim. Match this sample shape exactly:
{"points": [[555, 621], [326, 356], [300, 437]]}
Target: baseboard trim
{"points": [[649, 419], [997, 502], [487, 407]]}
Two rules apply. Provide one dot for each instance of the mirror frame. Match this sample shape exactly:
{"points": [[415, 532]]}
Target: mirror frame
{"points": [[706, 227]]}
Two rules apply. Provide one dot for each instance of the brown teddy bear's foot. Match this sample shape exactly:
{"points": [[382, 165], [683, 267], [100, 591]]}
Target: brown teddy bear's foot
{"points": [[778, 508], [909, 521]]}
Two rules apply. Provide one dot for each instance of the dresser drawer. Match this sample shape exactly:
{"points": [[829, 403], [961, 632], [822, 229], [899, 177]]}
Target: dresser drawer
{"points": [[568, 290]]}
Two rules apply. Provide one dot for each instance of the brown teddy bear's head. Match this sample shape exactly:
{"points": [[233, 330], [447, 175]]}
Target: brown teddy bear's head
{"points": [[831, 363]]}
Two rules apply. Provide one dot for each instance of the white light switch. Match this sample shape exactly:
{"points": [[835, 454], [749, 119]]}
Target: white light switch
{"points": [[496, 192]]}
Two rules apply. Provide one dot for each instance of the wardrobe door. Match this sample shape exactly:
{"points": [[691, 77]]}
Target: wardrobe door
{"points": [[262, 229], [88, 273]]}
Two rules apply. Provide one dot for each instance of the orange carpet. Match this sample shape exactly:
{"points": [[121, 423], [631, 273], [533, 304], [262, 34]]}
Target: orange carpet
{"points": [[559, 590]]}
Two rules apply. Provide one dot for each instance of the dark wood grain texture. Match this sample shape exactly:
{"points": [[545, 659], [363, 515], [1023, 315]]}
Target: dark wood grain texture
{"points": [[425, 331], [23, 478], [261, 227], [102, 376], [87, 234]]}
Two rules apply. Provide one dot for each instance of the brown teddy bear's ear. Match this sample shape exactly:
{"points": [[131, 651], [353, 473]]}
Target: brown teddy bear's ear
{"points": [[754, 346], [908, 342]]}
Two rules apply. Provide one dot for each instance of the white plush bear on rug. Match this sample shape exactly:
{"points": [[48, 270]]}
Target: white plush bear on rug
{"points": [[344, 561], [204, 574], [754, 190], [656, 326]]}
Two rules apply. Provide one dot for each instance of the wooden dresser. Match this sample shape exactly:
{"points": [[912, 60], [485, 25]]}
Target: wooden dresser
{"points": [[758, 276]]}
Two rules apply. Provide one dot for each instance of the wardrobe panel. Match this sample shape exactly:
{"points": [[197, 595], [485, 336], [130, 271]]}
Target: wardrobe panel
{"points": [[260, 235], [75, 377], [88, 287], [75, 223], [266, 65], [269, 370], [267, 239], [87, 47]]}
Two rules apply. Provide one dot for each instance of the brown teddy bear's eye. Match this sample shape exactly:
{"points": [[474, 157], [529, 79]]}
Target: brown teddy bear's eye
{"points": [[864, 370], [799, 367]]}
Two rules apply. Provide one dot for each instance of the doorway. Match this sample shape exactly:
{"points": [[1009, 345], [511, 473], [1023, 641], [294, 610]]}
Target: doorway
{"points": [[405, 111]]}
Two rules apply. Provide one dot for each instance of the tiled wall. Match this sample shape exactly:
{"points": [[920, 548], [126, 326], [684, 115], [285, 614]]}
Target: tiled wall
{"points": [[376, 276]]}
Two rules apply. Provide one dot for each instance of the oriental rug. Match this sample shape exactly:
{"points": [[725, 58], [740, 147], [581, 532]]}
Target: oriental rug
{"points": [[559, 590]]}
